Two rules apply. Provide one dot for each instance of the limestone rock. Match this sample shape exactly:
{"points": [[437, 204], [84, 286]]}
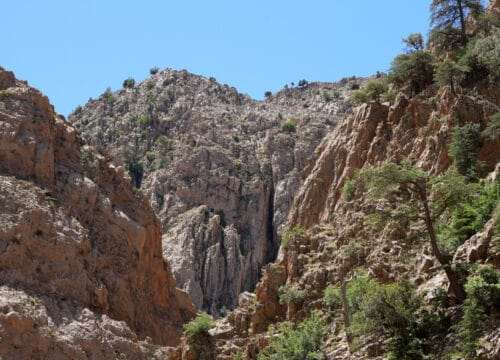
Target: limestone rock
{"points": [[201, 143], [80, 249]]}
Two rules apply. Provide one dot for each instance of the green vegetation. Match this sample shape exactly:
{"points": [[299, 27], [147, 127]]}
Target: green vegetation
{"points": [[450, 73], [303, 84], [463, 149], [332, 297], [469, 218], [302, 341], [5, 93], [426, 198], [483, 295], [372, 91], [144, 119], [129, 83], [448, 16], [290, 235], [413, 71], [150, 156], [109, 96], [171, 94], [291, 294], [154, 70], [289, 126], [267, 94], [390, 310], [199, 325], [349, 189], [492, 130], [164, 144], [131, 159], [414, 42]]}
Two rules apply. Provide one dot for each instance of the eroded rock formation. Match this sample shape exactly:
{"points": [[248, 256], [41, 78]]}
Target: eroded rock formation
{"points": [[81, 270]]}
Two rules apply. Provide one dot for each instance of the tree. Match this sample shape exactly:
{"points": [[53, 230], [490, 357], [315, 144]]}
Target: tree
{"points": [[414, 70], [450, 73], [426, 199], [464, 145], [131, 159], [414, 42], [128, 83], [371, 91], [448, 15]]}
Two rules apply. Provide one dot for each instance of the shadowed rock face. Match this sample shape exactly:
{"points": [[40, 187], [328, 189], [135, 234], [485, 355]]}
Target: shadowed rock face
{"points": [[200, 143], [81, 266]]}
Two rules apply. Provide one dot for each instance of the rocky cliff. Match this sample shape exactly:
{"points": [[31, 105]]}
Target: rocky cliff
{"points": [[331, 238], [219, 168], [81, 270]]}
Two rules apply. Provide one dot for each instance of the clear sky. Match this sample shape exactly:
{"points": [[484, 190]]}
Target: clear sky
{"points": [[74, 49]]}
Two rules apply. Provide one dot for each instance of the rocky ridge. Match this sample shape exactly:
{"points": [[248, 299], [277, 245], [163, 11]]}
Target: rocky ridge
{"points": [[336, 239], [220, 169], [81, 270]]}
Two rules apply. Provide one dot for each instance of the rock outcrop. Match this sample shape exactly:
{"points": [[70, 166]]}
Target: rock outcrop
{"points": [[199, 143], [81, 270], [375, 133], [333, 238]]}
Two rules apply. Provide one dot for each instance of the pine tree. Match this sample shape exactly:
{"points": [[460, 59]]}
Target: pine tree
{"points": [[428, 199], [447, 15]]}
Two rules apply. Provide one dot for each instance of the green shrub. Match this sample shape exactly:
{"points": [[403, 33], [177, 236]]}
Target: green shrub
{"points": [[267, 94], [154, 70], [150, 84], [414, 71], [165, 144], [150, 156], [171, 94], [349, 189], [109, 97], [355, 86], [199, 325], [332, 297], [389, 310], [414, 42], [470, 217], [129, 83], [150, 97], [289, 126], [481, 57], [464, 144], [492, 130], [303, 84], [483, 295], [290, 235], [326, 96], [291, 294], [131, 159], [144, 119], [450, 73], [304, 341]]}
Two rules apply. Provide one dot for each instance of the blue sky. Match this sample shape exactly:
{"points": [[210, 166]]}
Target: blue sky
{"points": [[74, 50]]}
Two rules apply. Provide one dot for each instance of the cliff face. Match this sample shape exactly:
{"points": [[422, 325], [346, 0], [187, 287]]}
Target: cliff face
{"points": [[336, 239], [200, 143], [418, 129], [81, 268]]}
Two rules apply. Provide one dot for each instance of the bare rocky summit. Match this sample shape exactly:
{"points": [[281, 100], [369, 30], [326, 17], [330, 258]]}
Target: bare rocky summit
{"points": [[81, 270], [219, 168]]}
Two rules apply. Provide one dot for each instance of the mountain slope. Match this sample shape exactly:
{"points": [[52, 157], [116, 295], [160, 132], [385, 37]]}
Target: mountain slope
{"points": [[219, 168], [81, 270]]}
